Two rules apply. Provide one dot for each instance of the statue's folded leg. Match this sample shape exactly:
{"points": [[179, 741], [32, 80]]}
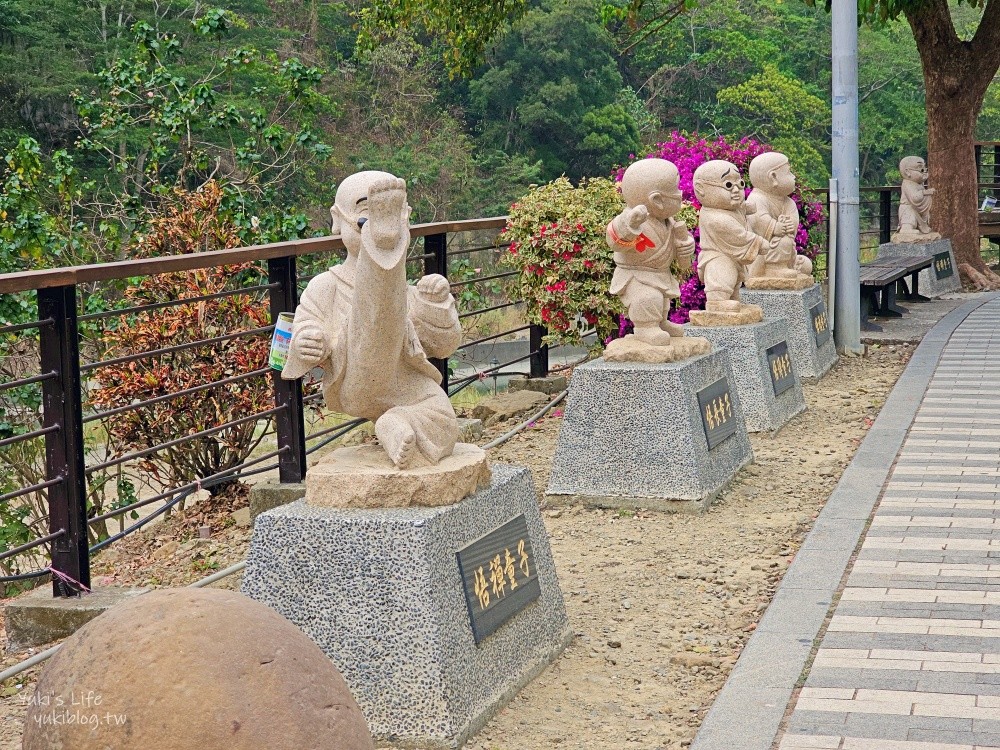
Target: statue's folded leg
{"points": [[425, 430]]}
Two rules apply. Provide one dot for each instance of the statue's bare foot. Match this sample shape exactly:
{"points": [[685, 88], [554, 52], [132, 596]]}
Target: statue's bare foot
{"points": [[388, 214], [399, 440], [653, 336]]}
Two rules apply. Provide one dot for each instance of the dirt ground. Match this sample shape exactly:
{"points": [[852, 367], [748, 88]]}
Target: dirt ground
{"points": [[661, 604]]}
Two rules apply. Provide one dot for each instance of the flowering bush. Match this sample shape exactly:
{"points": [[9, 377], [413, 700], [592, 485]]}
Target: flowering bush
{"points": [[557, 241], [689, 152]]}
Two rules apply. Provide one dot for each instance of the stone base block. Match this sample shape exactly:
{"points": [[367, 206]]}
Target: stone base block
{"points": [[747, 314], [773, 282], [38, 618], [633, 435], [551, 385], [365, 477], [758, 376], [940, 278], [382, 593], [809, 337], [267, 495], [631, 349]]}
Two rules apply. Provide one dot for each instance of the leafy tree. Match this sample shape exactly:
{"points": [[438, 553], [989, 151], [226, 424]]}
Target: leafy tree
{"points": [[465, 28], [554, 93], [959, 64], [249, 122], [781, 110]]}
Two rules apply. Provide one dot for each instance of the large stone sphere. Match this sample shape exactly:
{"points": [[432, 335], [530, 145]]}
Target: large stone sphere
{"points": [[192, 668]]}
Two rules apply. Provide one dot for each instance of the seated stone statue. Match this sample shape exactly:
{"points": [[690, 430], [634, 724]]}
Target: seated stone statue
{"points": [[728, 243], [773, 214], [372, 333], [914, 203], [646, 240]]}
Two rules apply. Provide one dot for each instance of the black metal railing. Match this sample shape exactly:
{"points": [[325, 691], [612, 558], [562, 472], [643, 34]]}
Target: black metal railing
{"points": [[67, 417]]}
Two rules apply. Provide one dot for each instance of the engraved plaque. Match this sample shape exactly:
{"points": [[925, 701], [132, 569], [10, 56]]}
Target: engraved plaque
{"points": [[717, 415], [499, 577], [779, 362], [821, 330], [942, 266]]}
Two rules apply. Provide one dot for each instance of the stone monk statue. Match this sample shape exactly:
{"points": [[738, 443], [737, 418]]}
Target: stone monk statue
{"points": [[728, 243], [914, 203], [372, 333], [646, 240], [773, 214]]}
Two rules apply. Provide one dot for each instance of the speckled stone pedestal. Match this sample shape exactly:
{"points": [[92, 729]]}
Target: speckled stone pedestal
{"points": [[812, 361], [933, 281], [633, 436], [763, 411], [380, 591]]}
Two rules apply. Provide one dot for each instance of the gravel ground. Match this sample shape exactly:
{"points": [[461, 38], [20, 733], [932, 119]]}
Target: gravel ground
{"points": [[661, 604]]}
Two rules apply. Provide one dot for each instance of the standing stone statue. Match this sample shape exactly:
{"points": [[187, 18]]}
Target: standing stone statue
{"points": [[914, 203], [773, 214], [728, 244], [372, 333], [646, 241]]}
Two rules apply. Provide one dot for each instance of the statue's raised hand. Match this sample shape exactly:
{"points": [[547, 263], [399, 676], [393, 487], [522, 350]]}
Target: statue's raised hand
{"points": [[635, 217], [434, 288], [388, 214]]}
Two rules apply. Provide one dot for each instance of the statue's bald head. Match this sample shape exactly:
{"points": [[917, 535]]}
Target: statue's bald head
{"points": [[353, 191], [911, 164], [350, 204], [648, 176], [763, 165]]}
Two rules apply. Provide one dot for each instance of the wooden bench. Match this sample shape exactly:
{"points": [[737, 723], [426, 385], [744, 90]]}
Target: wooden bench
{"points": [[879, 281], [989, 225]]}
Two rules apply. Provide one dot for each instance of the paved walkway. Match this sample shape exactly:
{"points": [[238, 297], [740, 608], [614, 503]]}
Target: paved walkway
{"points": [[910, 658]]}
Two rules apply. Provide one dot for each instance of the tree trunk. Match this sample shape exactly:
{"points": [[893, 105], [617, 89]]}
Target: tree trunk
{"points": [[957, 73], [951, 130]]}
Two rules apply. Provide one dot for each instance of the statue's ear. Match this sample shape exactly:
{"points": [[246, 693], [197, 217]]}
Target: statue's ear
{"points": [[335, 219], [773, 174]]}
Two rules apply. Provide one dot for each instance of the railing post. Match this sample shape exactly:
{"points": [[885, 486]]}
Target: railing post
{"points": [[885, 215], [540, 356], [61, 408], [436, 261], [290, 421], [996, 169], [979, 162]]}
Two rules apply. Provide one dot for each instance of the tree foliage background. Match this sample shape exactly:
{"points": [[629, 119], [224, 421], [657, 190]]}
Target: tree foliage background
{"points": [[280, 98]]}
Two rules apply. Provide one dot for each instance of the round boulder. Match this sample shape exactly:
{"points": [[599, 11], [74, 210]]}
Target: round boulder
{"points": [[192, 668]]}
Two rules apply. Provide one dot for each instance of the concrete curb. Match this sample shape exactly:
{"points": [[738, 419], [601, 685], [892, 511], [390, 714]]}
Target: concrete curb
{"points": [[747, 713]]}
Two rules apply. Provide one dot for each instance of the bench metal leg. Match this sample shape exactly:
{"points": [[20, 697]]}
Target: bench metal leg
{"points": [[915, 295], [869, 300], [888, 308]]}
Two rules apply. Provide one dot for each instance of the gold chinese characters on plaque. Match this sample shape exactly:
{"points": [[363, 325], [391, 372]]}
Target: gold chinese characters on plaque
{"points": [[717, 412], [779, 362], [499, 577], [821, 330]]}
